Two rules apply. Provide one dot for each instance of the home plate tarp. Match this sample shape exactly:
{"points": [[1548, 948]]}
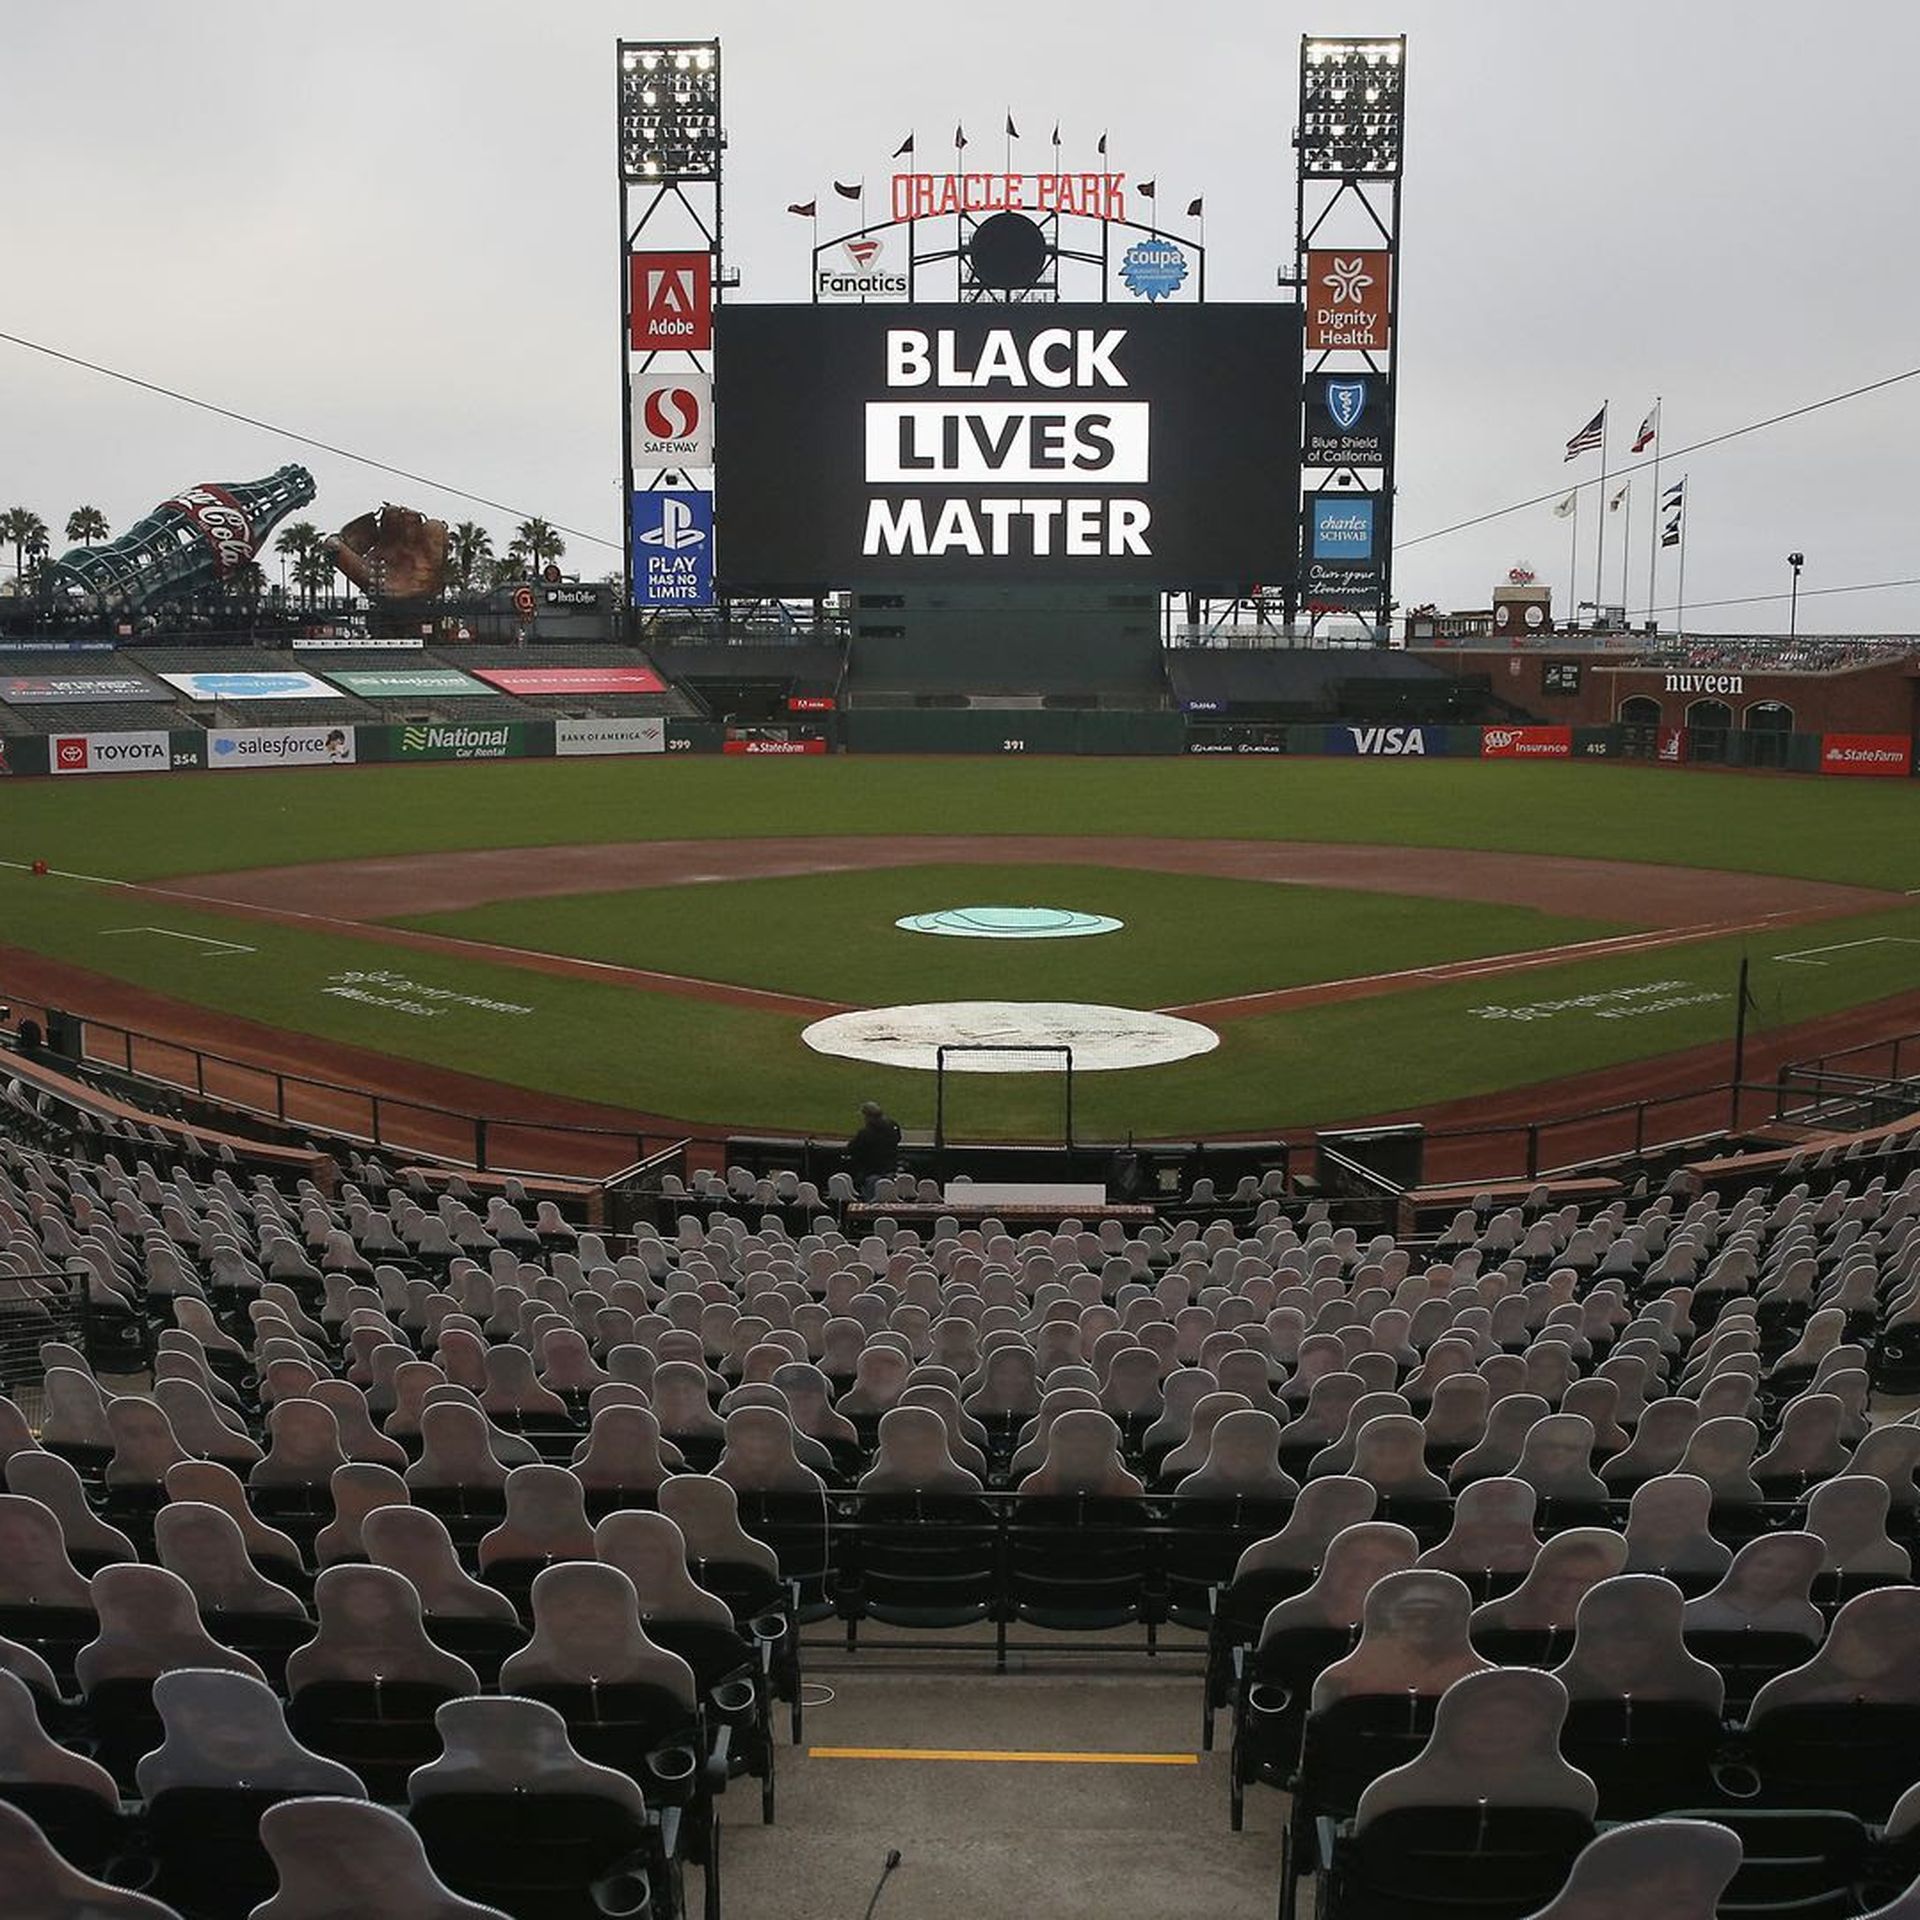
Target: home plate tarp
{"points": [[1103, 1039]]}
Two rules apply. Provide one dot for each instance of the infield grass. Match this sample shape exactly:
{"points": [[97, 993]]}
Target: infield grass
{"points": [[1186, 937]]}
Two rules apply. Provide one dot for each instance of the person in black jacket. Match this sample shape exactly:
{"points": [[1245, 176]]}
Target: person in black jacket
{"points": [[873, 1152]]}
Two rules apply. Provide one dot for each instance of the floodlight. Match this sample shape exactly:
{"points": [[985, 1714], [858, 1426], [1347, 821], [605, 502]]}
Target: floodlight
{"points": [[1351, 100], [670, 111]]}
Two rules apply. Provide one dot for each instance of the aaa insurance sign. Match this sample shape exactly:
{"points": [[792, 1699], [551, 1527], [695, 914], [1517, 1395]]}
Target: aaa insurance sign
{"points": [[672, 549]]}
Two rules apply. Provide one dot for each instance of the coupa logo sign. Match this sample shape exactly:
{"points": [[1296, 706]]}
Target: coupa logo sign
{"points": [[1153, 269], [1379, 742]]}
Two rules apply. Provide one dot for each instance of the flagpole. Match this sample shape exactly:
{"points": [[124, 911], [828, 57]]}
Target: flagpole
{"points": [[1600, 540], [1626, 546], [1686, 514], [1653, 535], [1573, 568]]}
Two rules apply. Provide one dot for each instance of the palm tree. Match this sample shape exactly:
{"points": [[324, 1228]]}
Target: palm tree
{"points": [[509, 569], [86, 525], [539, 541], [469, 548], [28, 533], [294, 542], [313, 570]]}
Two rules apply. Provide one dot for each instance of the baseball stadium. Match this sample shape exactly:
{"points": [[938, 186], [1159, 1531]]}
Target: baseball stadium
{"points": [[638, 1214]]}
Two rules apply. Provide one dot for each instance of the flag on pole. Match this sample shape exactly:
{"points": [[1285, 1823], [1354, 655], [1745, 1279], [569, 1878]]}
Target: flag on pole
{"points": [[1593, 434], [1566, 506], [1195, 209], [849, 193], [806, 209], [959, 137], [1145, 189], [1056, 133], [1613, 505], [1101, 147], [1013, 132], [1649, 429], [1673, 503], [905, 147]]}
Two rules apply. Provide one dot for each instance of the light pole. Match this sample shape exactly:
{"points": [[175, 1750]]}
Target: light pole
{"points": [[1796, 561]]}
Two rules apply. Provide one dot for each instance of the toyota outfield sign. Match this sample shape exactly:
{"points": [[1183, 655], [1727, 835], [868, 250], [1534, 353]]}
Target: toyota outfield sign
{"points": [[1135, 444], [672, 549], [143, 752]]}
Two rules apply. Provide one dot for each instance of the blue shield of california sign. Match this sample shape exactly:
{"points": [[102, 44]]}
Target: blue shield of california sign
{"points": [[1349, 420]]}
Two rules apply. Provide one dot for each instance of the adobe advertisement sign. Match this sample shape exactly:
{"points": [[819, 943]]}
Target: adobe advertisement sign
{"points": [[670, 302], [672, 420], [1867, 755], [1345, 547], [1347, 299], [1144, 445], [1349, 420], [672, 535], [59, 689]]}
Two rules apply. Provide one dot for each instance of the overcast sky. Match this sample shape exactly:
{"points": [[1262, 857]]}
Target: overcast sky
{"points": [[393, 227]]}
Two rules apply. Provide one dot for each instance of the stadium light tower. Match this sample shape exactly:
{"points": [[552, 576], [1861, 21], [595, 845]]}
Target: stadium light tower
{"points": [[670, 148], [1349, 141]]}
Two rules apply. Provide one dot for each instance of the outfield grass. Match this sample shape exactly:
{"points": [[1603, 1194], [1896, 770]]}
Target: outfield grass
{"points": [[1186, 937], [143, 827]]}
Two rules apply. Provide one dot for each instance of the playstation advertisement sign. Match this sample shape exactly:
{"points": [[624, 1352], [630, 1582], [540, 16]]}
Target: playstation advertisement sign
{"points": [[672, 535], [1349, 420]]}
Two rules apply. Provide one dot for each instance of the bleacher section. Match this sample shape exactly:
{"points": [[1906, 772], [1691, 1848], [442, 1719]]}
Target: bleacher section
{"points": [[1305, 684], [1488, 1547]]}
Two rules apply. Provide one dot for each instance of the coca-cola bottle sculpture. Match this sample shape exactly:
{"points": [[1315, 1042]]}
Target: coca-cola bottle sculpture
{"points": [[189, 542]]}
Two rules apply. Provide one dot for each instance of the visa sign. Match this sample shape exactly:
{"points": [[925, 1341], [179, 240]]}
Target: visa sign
{"points": [[672, 548], [1386, 742]]}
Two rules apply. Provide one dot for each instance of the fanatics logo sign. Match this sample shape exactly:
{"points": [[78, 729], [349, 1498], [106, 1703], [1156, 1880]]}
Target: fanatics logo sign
{"points": [[670, 301]]}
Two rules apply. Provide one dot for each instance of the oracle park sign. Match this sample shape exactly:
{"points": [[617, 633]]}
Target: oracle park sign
{"points": [[1009, 443]]}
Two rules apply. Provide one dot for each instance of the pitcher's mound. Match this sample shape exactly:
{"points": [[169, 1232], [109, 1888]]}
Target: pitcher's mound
{"points": [[1102, 1038]]}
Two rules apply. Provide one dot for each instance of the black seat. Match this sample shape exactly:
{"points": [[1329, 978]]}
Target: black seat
{"points": [[1493, 1863]]}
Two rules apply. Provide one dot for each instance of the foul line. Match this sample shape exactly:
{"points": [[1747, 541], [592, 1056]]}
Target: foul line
{"points": [[1804, 956], [199, 939], [1000, 1756], [1369, 985]]}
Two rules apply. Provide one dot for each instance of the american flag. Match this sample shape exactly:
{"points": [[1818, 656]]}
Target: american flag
{"points": [[1589, 436]]}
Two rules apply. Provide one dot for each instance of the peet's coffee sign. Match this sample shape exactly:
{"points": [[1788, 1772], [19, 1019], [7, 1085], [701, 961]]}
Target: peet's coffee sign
{"points": [[1706, 683]]}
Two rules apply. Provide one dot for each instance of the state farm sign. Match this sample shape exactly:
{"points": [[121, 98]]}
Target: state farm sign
{"points": [[1347, 299]]}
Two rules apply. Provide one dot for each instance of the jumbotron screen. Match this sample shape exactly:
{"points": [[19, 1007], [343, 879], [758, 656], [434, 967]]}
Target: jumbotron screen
{"points": [[1006, 442]]}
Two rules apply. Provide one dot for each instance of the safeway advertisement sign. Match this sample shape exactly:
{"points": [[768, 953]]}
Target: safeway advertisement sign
{"points": [[145, 752], [1881, 755], [1526, 743], [673, 420], [1347, 299], [670, 302]]}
